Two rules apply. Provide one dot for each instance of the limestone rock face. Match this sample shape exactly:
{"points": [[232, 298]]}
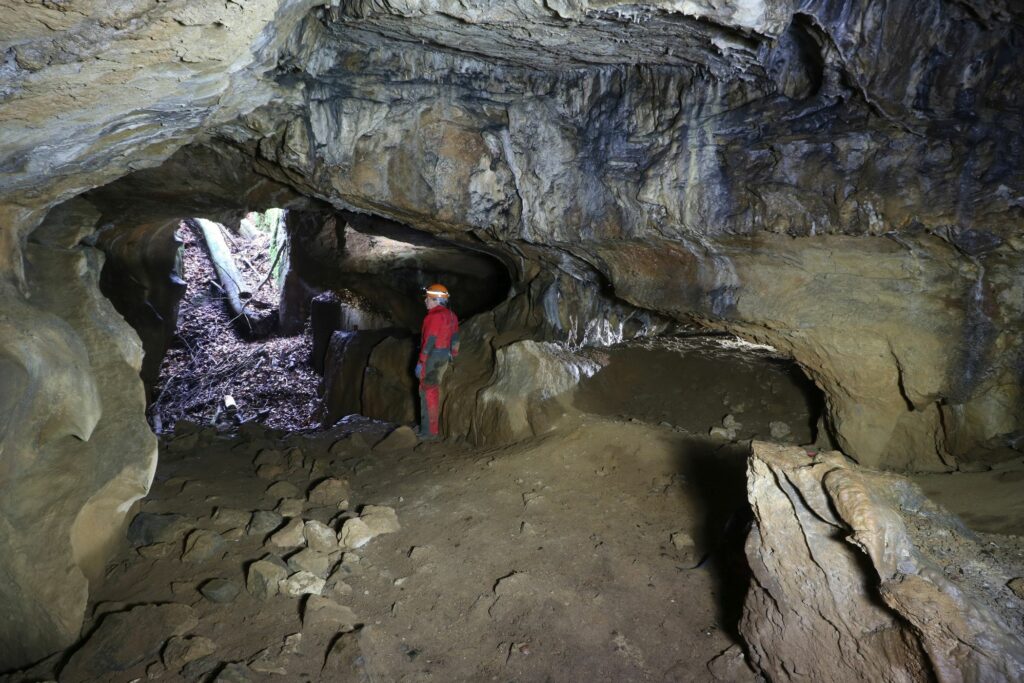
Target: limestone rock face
{"points": [[810, 204], [528, 379], [76, 448], [389, 386], [347, 356], [857, 577]]}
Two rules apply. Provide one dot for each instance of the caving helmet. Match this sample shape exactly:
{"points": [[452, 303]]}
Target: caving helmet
{"points": [[438, 292]]}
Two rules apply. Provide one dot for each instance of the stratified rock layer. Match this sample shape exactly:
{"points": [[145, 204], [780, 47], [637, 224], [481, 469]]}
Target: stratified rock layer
{"points": [[858, 577]]}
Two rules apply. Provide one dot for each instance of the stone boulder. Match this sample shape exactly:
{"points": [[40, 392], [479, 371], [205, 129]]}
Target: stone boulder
{"points": [[346, 360], [389, 387], [531, 387], [858, 577]]}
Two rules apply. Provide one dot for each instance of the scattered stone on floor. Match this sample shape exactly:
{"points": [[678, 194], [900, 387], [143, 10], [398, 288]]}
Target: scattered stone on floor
{"points": [[264, 521], [149, 528], [380, 519], [330, 491], [229, 518], [731, 666], [301, 583], [320, 537], [220, 590], [291, 536], [264, 578], [282, 489], [268, 456], [270, 472], [203, 545], [180, 650], [296, 459], [291, 507], [355, 533], [311, 561], [686, 548]]}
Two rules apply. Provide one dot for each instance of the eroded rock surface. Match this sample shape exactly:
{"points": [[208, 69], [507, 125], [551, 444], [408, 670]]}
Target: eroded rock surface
{"points": [[858, 577]]}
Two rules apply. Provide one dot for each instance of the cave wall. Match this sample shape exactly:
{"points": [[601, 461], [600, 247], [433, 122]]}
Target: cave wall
{"points": [[77, 451]]}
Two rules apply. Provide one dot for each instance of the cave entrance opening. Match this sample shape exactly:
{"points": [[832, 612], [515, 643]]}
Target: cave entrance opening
{"points": [[296, 319], [227, 362]]}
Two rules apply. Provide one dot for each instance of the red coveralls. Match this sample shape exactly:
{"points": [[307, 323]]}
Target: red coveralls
{"points": [[439, 345]]}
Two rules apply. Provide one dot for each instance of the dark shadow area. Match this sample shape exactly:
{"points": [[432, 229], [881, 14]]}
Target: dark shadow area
{"points": [[695, 382], [716, 475]]}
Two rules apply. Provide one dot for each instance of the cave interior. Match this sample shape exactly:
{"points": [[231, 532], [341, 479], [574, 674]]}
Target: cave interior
{"points": [[741, 296]]}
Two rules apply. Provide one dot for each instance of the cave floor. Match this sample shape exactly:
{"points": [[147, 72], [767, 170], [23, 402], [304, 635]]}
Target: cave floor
{"points": [[548, 560], [990, 501]]}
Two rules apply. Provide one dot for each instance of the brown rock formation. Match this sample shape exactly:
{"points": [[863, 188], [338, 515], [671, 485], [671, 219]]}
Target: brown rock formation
{"points": [[857, 577], [76, 448]]}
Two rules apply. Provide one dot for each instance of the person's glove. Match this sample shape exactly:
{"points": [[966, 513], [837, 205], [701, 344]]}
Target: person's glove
{"points": [[419, 371]]}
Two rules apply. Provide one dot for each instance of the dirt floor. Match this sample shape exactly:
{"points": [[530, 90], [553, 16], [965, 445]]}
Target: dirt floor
{"points": [[991, 501], [549, 560], [609, 549]]}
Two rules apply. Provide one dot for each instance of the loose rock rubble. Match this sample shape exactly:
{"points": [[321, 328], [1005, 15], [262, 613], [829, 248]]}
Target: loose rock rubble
{"points": [[290, 549]]}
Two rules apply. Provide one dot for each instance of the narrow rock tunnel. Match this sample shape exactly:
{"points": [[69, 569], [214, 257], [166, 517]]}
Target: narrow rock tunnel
{"points": [[740, 389]]}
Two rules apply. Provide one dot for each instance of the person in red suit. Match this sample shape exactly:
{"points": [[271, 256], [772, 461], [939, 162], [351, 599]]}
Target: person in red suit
{"points": [[439, 345]]}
